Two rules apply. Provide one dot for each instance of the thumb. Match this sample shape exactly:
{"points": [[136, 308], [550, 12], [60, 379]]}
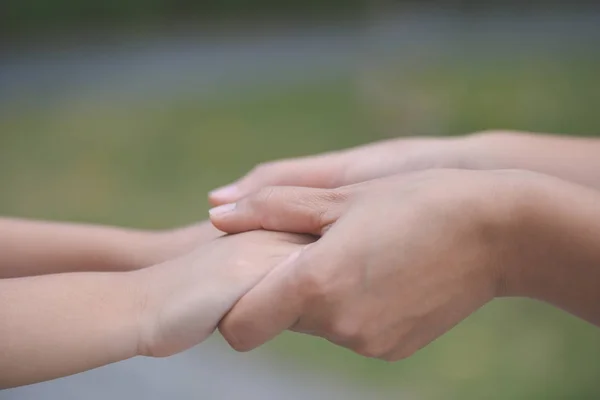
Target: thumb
{"points": [[282, 208], [322, 171]]}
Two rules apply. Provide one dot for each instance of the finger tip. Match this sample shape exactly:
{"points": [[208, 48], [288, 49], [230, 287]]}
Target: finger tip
{"points": [[230, 333], [213, 201], [221, 210], [218, 216], [224, 194]]}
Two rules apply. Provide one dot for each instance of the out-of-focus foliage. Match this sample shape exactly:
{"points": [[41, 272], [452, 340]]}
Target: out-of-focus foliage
{"points": [[26, 17], [30, 16]]}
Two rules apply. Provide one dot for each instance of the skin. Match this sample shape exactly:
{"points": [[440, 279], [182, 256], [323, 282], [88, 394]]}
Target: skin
{"points": [[60, 324], [403, 259], [37, 247], [573, 159]]}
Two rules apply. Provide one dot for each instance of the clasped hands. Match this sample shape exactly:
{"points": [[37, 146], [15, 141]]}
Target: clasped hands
{"points": [[384, 248], [380, 249]]}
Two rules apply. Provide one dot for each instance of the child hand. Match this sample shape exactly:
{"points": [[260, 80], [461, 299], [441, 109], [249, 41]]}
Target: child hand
{"points": [[185, 299], [161, 246], [105, 317]]}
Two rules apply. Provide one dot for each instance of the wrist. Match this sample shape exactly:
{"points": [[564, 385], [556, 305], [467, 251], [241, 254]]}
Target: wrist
{"points": [[526, 249], [513, 216], [511, 202], [490, 150], [140, 249], [177, 302], [136, 249], [151, 286], [494, 208], [551, 248], [129, 316], [126, 309], [155, 247], [471, 152]]}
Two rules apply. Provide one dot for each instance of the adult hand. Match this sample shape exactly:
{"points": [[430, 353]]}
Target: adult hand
{"points": [[573, 159], [185, 298], [349, 166], [403, 259]]}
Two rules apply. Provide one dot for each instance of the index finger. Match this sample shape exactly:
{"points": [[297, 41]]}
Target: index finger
{"points": [[271, 307], [283, 208]]}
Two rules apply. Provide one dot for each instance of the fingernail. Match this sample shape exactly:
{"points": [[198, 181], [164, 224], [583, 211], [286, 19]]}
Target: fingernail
{"points": [[225, 192], [220, 210]]}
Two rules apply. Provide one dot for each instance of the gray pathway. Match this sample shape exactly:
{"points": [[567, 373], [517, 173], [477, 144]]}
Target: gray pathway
{"points": [[209, 371]]}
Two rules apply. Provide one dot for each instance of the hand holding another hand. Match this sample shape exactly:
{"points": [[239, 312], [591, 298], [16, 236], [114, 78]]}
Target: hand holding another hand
{"points": [[403, 259]]}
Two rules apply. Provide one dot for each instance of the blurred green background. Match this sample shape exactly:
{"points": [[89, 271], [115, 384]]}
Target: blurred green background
{"points": [[148, 161]]}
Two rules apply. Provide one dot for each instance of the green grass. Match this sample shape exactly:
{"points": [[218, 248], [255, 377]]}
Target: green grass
{"points": [[150, 164]]}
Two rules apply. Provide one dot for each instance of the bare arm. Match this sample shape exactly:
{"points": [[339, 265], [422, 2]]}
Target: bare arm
{"points": [[573, 159], [556, 247], [57, 325], [61, 324], [36, 247]]}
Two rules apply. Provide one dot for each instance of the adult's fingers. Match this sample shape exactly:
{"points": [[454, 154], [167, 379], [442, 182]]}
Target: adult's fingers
{"points": [[271, 307], [322, 171], [282, 208]]}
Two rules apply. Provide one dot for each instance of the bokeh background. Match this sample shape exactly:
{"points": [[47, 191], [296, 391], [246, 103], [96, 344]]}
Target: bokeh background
{"points": [[128, 112]]}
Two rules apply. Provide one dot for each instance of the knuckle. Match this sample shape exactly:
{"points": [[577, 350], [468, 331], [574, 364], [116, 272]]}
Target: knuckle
{"points": [[312, 285], [403, 353], [269, 172], [236, 344], [262, 169], [372, 348], [349, 330], [264, 195], [233, 330], [149, 345], [262, 198], [234, 339], [323, 205], [318, 219], [262, 202], [334, 196]]}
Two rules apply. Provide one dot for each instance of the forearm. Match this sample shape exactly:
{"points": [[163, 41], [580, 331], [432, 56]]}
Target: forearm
{"points": [[57, 325], [61, 324], [557, 254], [573, 159], [35, 248]]}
